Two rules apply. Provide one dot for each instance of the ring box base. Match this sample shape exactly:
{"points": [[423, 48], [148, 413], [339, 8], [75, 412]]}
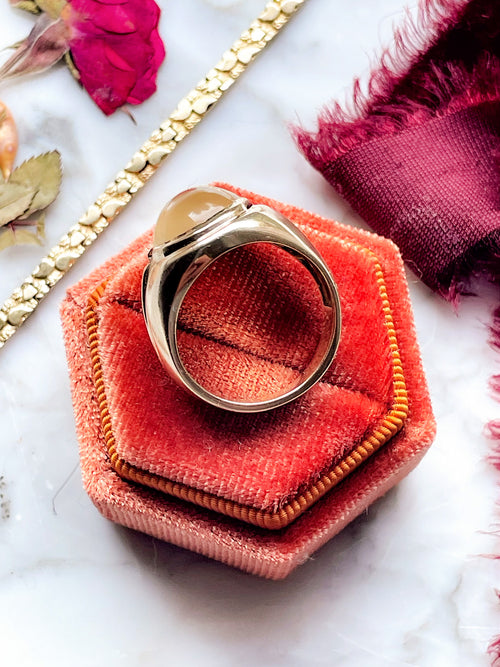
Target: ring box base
{"points": [[272, 553]]}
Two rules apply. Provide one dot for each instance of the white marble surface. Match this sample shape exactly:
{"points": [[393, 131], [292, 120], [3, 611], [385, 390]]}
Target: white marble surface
{"points": [[407, 583]]}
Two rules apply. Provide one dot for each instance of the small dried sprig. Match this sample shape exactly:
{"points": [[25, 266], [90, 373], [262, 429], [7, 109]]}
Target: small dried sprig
{"points": [[31, 187], [25, 191]]}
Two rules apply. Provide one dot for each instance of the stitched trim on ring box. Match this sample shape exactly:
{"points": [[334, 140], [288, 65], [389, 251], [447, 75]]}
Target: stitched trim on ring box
{"points": [[385, 429]]}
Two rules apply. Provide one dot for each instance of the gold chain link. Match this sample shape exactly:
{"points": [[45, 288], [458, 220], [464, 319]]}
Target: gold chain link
{"points": [[144, 163]]}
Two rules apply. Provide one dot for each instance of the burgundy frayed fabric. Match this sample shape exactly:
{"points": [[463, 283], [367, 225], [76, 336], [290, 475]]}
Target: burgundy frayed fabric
{"points": [[417, 153]]}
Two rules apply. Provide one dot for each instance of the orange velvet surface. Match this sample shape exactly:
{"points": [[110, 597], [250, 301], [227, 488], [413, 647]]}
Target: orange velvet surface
{"points": [[254, 459]]}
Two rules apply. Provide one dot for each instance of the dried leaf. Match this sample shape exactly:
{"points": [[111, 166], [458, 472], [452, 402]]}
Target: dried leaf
{"points": [[42, 175], [14, 235], [40, 227], [7, 238], [33, 185], [52, 7], [71, 66], [15, 201], [28, 5]]}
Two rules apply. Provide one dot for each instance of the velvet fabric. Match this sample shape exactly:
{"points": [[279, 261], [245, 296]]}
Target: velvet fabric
{"points": [[260, 460], [238, 346], [418, 155]]}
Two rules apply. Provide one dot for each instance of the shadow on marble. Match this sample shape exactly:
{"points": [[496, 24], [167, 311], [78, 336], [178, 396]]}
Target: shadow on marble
{"points": [[203, 588]]}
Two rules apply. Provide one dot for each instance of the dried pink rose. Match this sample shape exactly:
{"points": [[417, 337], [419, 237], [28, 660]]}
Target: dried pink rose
{"points": [[116, 49], [114, 45]]}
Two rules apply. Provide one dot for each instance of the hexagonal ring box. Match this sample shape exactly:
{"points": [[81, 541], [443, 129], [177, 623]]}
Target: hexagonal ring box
{"points": [[259, 491]]}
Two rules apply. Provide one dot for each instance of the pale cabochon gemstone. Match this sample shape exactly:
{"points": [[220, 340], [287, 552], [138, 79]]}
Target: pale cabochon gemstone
{"points": [[189, 209]]}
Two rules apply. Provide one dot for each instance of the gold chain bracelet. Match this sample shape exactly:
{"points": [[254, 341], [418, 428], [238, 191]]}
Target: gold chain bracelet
{"points": [[144, 163]]}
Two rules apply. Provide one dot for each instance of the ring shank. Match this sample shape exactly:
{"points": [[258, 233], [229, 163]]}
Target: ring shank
{"points": [[168, 280]]}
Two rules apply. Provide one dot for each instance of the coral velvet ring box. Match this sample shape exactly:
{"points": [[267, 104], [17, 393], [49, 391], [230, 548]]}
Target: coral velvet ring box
{"points": [[257, 491]]}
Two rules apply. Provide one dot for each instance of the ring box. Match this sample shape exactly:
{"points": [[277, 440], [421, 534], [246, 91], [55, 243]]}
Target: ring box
{"points": [[258, 491]]}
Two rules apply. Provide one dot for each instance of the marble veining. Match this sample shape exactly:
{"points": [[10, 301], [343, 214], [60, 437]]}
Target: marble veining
{"points": [[408, 583]]}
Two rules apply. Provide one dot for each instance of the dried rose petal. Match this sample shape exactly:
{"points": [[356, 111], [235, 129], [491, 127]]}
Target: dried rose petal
{"points": [[116, 48]]}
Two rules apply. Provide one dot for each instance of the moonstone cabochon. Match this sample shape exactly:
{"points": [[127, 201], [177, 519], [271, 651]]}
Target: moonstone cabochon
{"points": [[272, 554], [187, 210]]}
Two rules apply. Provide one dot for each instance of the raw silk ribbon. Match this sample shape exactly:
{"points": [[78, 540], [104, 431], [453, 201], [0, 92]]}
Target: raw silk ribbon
{"points": [[418, 154]]}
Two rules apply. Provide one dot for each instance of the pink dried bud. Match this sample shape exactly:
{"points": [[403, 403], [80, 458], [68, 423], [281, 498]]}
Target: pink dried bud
{"points": [[44, 46]]}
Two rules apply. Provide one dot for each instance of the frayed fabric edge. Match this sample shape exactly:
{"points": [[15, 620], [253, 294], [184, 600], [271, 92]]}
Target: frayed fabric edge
{"points": [[482, 262], [342, 127]]}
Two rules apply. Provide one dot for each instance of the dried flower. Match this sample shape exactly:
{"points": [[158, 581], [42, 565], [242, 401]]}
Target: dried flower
{"points": [[116, 49], [114, 46]]}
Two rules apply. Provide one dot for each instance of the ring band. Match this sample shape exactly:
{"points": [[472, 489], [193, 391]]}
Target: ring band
{"points": [[196, 228]]}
